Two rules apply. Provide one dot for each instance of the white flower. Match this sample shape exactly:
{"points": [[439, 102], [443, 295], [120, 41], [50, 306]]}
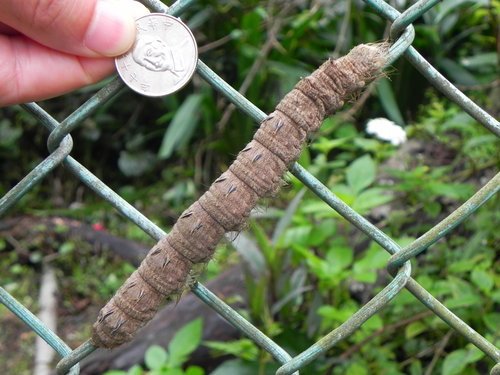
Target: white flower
{"points": [[386, 130]]}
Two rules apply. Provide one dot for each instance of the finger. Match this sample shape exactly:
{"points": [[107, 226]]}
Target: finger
{"points": [[30, 71], [7, 30], [82, 27]]}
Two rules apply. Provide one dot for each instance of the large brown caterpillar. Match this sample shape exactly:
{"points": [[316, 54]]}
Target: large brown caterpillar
{"points": [[257, 172]]}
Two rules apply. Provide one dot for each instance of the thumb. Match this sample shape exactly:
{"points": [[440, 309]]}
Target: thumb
{"points": [[82, 27]]}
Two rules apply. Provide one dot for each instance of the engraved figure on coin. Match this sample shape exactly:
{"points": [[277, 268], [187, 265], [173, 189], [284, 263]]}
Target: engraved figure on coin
{"points": [[163, 58], [154, 54]]}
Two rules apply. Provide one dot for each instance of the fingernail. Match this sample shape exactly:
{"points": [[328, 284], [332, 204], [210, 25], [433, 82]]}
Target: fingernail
{"points": [[111, 31]]}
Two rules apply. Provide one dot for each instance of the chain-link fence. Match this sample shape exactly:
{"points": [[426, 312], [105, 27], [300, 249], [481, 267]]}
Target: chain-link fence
{"points": [[402, 33]]}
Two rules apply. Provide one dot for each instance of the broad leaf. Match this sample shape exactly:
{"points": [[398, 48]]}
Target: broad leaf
{"points": [[454, 362], [414, 329], [181, 128], [483, 280], [185, 341], [135, 370], [388, 101], [155, 357], [361, 173], [456, 72], [236, 366], [194, 370], [371, 198], [244, 348]]}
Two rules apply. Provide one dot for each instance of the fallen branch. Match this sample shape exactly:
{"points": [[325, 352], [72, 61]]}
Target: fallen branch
{"points": [[47, 301], [22, 229]]}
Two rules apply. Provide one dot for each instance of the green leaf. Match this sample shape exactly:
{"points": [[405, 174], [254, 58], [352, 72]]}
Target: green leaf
{"points": [[264, 245], [365, 144], [464, 301], [456, 191], [340, 257], [250, 253], [185, 341], [357, 369], [388, 101], [334, 314], [115, 372], [374, 323], [480, 60], [416, 368], [236, 366], [474, 354], [461, 266], [483, 280], [322, 232], [194, 370], [170, 371], [478, 141], [414, 329], [492, 321], [287, 217], [364, 270], [289, 74], [456, 72], [432, 208], [67, 248], [296, 235], [344, 192], [454, 362], [371, 198], [155, 357], [244, 348], [361, 173], [305, 158], [182, 126], [365, 276], [135, 370], [325, 144], [375, 257], [447, 7]]}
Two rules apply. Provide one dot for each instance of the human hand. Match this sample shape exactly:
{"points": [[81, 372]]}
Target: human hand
{"points": [[50, 47]]}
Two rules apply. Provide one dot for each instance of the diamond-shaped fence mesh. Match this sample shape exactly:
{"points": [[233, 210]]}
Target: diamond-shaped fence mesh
{"points": [[60, 145]]}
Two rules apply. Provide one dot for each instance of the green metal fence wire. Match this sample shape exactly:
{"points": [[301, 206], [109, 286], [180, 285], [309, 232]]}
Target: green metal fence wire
{"points": [[402, 33]]}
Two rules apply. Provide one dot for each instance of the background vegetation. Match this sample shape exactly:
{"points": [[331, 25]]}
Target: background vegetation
{"points": [[311, 270]]}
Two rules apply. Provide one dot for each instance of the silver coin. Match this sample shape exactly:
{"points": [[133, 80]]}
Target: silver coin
{"points": [[163, 57]]}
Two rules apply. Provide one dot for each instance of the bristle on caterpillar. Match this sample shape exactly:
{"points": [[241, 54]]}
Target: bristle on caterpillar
{"points": [[257, 172]]}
